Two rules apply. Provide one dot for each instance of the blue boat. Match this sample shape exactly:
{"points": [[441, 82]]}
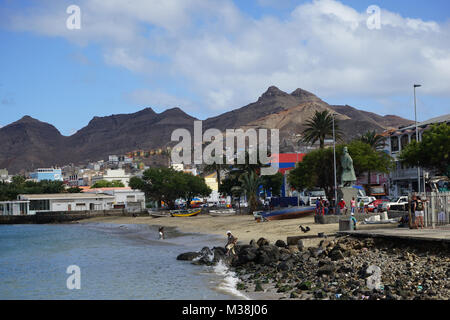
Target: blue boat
{"points": [[288, 213]]}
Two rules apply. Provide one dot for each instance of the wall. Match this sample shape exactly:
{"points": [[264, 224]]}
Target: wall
{"points": [[358, 216], [64, 216]]}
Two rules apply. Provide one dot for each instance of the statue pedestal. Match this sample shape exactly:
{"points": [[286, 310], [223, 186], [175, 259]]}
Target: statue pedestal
{"points": [[347, 193]]}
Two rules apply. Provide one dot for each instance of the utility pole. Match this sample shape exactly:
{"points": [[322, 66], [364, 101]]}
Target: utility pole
{"points": [[334, 158], [417, 135]]}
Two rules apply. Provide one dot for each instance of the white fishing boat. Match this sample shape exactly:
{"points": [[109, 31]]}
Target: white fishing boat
{"points": [[222, 212]]}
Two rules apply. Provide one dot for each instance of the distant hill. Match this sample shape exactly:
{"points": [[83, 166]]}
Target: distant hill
{"points": [[29, 143]]}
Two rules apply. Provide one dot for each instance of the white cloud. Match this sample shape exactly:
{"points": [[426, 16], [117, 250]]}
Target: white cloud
{"points": [[227, 58]]}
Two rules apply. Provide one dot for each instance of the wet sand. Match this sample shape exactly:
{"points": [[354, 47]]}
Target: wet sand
{"points": [[244, 227]]}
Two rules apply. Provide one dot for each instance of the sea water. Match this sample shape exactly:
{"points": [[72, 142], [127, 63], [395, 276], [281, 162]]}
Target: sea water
{"points": [[115, 262]]}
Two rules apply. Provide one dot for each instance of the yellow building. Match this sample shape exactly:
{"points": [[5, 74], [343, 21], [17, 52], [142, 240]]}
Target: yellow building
{"points": [[211, 181]]}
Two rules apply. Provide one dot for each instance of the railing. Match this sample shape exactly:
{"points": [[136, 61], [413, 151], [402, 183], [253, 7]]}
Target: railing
{"points": [[436, 208]]}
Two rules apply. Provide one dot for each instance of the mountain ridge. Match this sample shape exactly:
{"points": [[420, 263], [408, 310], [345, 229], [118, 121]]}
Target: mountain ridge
{"points": [[29, 143]]}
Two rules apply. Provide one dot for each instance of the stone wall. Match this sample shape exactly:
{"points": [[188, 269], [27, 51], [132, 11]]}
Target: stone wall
{"points": [[65, 216]]}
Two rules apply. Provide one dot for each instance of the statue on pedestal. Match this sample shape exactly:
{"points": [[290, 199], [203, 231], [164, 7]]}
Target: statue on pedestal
{"points": [[348, 177]]}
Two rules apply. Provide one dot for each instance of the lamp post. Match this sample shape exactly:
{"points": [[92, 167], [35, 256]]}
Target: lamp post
{"points": [[334, 158], [417, 135]]}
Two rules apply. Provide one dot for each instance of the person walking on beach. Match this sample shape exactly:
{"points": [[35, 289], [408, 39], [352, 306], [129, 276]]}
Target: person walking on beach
{"points": [[231, 243], [161, 233]]}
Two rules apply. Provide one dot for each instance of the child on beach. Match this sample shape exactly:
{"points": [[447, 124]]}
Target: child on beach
{"points": [[161, 233]]}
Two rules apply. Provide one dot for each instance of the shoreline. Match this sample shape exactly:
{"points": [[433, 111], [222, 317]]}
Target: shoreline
{"points": [[242, 226]]}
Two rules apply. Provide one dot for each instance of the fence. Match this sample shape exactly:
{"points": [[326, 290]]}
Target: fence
{"points": [[436, 208]]}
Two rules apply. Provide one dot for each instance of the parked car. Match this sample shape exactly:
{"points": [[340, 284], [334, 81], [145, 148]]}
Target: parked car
{"points": [[383, 207], [400, 203], [371, 207]]}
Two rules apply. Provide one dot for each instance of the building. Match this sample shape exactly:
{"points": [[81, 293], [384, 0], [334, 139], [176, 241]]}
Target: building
{"points": [[4, 176], [403, 179], [67, 202], [113, 175], [14, 208], [123, 197], [53, 174]]}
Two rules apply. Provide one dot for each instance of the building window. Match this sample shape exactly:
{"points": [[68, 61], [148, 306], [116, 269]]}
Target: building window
{"points": [[394, 144], [40, 205], [404, 141]]}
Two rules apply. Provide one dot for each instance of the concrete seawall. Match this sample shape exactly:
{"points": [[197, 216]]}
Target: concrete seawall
{"points": [[358, 216], [64, 216]]}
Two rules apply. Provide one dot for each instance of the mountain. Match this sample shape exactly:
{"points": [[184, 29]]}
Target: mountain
{"points": [[29, 143], [272, 101], [118, 134]]}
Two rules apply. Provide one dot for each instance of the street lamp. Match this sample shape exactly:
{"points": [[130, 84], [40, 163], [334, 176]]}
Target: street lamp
{"points": [[334, 158], [417, 135]]}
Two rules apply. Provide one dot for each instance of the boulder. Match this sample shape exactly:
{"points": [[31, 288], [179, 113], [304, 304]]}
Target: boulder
{"points": [[280, 244], [327, 269], [188, 256], [262, 242]]}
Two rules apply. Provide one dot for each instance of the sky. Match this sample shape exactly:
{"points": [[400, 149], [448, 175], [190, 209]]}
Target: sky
{"points": [[209, 57]]}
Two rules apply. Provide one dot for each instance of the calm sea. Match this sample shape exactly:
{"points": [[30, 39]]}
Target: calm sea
{"points": [[115, 261]]}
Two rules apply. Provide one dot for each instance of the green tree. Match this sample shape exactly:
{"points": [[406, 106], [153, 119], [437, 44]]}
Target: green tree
{"points": [[108, 184], [167, 185], [433, 152], [317, 167], [74, 190], [250, 183], [373, 139], [273, 183], [319, 127], [195, 186], [316, 170], [367, 159]]}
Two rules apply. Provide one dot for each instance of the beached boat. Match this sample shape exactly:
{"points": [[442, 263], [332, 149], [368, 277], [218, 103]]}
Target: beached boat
{"points": [[185, 213], [158, 214], [286, 213], [222, 213]]}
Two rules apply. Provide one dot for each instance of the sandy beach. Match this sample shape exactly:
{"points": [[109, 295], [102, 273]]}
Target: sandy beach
{"points": [[244, 227]]}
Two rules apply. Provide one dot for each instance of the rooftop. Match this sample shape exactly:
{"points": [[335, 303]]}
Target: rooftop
{"points": [[64, 196]]}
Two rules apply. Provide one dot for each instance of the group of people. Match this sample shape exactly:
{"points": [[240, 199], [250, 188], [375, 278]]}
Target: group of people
{"points": [[323, 207]]}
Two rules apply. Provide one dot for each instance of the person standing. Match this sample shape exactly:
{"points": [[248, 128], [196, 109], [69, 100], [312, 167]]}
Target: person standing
{"points": [[230, 243], [341, 206], [353, 205], [161, 233], [417, 208]]}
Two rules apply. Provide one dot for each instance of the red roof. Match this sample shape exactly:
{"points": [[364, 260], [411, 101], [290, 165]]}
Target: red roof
{"points": [[288, 157]]}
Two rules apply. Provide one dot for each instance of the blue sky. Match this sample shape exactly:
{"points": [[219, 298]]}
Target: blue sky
{"points": [[212, 57]]}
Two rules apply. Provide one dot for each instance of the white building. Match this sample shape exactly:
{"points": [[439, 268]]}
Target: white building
{"points": [[14, 208], [67, 202], [123, 197], [113, 175], [403, 179]]}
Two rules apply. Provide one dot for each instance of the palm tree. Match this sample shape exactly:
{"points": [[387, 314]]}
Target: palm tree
{"points": [[250, 183], [372, 138], [375, 141], [319, 127]]}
